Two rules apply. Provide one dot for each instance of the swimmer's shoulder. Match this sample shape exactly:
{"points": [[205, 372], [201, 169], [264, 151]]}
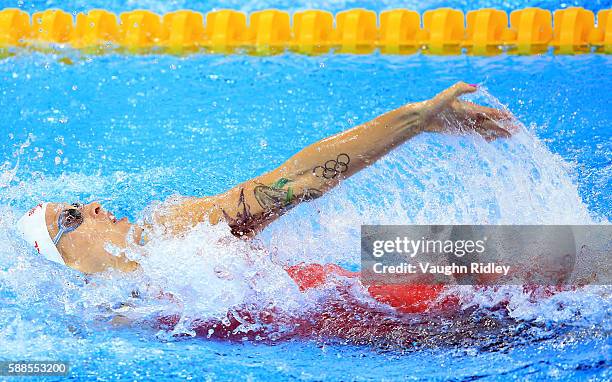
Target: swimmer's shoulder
{"points": [[178, 213]]}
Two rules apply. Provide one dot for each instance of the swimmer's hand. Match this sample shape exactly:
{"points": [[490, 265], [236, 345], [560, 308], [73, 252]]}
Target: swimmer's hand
{"points": [[446, 113]]}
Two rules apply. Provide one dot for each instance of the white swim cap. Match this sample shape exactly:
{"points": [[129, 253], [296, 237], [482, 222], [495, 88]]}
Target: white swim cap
{"points": [[33, 228]]}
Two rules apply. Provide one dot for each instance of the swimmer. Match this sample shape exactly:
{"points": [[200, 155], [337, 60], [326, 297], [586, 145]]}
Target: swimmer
{"points": [[79, 235]]}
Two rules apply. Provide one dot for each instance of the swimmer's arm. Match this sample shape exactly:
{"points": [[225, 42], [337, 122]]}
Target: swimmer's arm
{"points": [[313, 171], [316, 169]]}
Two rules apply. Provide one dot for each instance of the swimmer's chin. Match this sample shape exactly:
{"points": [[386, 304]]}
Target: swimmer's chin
{"points": [[135, 232]]}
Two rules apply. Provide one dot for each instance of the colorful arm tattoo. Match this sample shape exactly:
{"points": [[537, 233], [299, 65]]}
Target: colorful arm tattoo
{"points": [[274, 200]]}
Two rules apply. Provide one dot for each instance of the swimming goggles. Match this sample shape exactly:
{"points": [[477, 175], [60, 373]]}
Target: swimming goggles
{"points": [[69, 220]]}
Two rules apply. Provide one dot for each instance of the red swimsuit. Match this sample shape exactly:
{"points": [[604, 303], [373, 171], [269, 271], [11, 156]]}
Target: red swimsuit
{"points": [[341, 318], [345, 318], [409, 298]]}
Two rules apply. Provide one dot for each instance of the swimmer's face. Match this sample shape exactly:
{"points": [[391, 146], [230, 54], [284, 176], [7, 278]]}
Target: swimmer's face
{"points": [[86, 249]]}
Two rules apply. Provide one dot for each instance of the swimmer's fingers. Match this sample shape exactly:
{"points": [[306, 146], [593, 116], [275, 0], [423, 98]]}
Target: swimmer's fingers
{"points": [[506, 121], [495, 114], [500, 118], [490, 130]]}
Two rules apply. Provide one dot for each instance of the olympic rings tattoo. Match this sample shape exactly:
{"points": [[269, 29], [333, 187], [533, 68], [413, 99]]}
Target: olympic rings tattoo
{"points": [[333, 167]]}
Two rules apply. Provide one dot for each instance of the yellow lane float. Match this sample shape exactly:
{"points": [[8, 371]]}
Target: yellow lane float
{"points": [[357, 31]]}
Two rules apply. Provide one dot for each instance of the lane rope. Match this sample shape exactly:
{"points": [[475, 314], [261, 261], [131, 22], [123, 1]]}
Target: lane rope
{"points": [[356, 31]]}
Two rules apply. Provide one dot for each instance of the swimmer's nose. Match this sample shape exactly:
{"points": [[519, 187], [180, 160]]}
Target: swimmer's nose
{"points": [[94, 209]]}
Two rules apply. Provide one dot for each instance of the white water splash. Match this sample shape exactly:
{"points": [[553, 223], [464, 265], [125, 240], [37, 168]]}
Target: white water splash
{"points": [[436, 179]]}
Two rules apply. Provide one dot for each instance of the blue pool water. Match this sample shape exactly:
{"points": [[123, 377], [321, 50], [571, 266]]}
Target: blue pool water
{"points": [[130, 130]]}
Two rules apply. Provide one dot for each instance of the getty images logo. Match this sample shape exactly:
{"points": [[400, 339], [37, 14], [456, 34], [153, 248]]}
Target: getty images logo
{"points": [[411, 247]]}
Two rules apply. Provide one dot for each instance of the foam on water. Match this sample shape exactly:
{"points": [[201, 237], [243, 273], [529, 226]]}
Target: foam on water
{"points": [[208, 275]]}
